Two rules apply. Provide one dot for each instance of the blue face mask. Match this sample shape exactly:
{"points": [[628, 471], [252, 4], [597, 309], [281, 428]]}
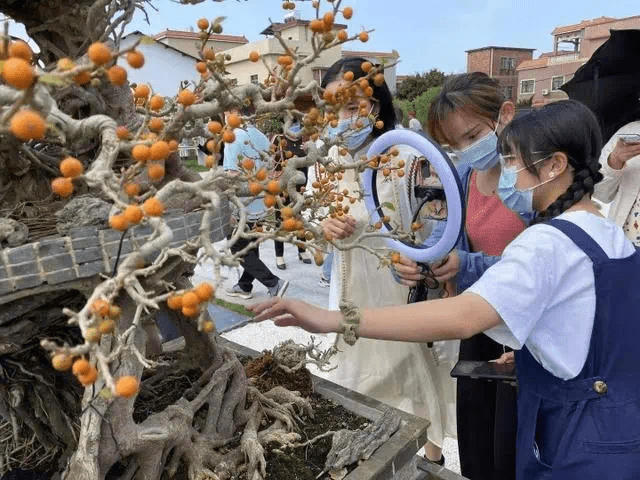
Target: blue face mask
{"points": [[481, 155], [353, 138], [512, 198]]}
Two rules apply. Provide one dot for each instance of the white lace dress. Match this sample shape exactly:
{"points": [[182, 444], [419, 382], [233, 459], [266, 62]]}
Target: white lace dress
{"points": [[409, 376]]}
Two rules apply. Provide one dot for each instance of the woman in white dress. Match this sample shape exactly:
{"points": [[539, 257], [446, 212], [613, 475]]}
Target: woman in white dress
{"points": [[408, 376]]}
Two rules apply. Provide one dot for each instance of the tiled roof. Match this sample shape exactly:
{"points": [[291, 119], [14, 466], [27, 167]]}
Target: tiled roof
{"points": [[278, 27], [531, 64], [583, 24], [352, 53], [196, 36], [517, 49]]}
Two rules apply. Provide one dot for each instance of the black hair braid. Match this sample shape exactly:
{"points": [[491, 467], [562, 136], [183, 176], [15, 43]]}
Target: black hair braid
{"points": [[583, 184]]}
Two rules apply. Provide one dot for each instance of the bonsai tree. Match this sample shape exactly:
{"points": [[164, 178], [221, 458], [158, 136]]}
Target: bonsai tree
{"points": [[71, 121]]}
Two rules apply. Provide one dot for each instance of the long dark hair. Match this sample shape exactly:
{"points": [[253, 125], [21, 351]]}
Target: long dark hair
{"points": [[474, 93], [381, 93], [566, 126]]}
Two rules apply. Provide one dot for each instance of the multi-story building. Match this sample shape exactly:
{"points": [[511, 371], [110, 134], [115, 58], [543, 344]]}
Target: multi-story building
{"points": [[540, 79], [189, 42], [500, 63]]}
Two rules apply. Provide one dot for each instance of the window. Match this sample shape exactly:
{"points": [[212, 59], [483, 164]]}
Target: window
{"points": [[508, 92], [557, 82], [254, 79], [527, 86], [507, 64]]}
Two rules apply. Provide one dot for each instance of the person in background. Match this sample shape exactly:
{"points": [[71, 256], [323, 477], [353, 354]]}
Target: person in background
{"points": [[564, 295], [286, 145], [467, 115], [414, 123], [399, 117], [423, 387], [249, 143], [620, 161]]}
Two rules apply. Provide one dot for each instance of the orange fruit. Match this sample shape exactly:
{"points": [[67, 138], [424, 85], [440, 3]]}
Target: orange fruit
{"points": [[18, 73], [212, 146], [290, 224], [156, 124], [318, 258], [131, 189], [62, 186], [20, 49], [92, 335], [107, 326], [156, 102], [173, 145], [186, 98], [135, 59], [114, 311], [133, 214], [378, 79], [203, 23], [141, 91], [261, 175], [155, 171], [208, 326], [368, 92], [190, 311], [127, 386], [209, 54], [118, 222], [285, 60], [82, 78], [347, 13], [65, 64], [363, 36], [159, 150], [316, 26], [214, 127], [247, 163], [208, 162], [174, 302], [379, 124], [234, 120], [254, 56], [190, 299], [204, 291], [269, 200], [28, 125], [140, 152], [228, 136], [254, 188], [348, 76], [71, 167], [122, 132], [327, 19], [61, 362], [152, 206], [99, 53], [273, 187], [366, 67], [343, 35], [286, 212], [201, 67], [81, 367], [117, 75], [88, 378]]}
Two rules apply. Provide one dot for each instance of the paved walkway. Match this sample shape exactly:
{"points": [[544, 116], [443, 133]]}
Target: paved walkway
{"points": [[304, 285]]}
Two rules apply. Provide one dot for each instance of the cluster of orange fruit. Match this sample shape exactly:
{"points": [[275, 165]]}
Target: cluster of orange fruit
{"points": [[133, 214], [87, 374], [190, 302], [221, 133], [388, 163], [70, 168]]}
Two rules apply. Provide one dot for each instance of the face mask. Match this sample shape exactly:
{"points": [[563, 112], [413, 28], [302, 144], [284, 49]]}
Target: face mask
{"points": [[483, 154], [512, 198], [353, 139]]}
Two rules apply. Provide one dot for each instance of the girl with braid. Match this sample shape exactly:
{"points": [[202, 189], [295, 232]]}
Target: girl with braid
{"points": [[564, 295]]}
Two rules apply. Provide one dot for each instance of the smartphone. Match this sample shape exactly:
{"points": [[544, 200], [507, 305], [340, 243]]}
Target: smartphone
{"points": [[629, 137]]}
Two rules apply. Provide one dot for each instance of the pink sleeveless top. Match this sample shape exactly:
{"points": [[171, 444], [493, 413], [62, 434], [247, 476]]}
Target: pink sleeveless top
{"points": [[489, 224]]}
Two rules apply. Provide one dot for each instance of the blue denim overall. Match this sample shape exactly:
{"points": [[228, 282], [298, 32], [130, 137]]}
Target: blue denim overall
{"points": [[588, 427]]}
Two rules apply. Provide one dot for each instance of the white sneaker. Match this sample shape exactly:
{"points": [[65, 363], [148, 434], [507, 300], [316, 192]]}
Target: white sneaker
{"points": [[324, 282]]}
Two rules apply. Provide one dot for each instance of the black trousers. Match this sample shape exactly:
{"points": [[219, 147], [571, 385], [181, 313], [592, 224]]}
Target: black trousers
{"points": [[253, 267], [486, 417]]}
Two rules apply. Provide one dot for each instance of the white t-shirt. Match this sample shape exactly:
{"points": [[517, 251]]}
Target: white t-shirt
{"points": [[543, 288], [415, 125]]}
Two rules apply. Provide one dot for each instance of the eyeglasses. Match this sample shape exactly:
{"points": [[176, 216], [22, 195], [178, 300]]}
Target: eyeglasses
{"points": [[507, 161]]}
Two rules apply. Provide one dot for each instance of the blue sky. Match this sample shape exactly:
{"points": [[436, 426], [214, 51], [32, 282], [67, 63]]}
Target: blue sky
{"points": [[427, 33]]}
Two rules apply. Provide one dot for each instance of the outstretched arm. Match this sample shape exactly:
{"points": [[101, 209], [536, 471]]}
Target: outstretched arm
{"points": [[458, 317]]}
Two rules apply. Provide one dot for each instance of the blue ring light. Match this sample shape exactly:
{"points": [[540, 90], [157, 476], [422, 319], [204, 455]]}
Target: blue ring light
{"points": [[452, 189]]}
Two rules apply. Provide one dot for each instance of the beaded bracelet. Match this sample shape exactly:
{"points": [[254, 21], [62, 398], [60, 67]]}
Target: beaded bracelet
{"points": [[350, 325]]}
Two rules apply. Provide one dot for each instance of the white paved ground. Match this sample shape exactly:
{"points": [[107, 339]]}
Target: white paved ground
{"points": [[303, 280]]}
